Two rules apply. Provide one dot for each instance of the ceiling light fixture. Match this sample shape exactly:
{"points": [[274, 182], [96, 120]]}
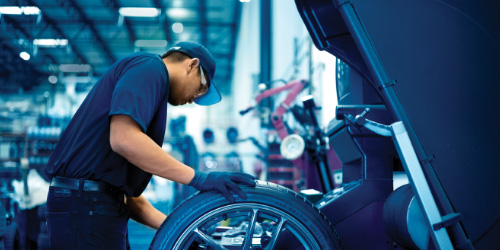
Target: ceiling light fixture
{"points": [[53, 79], [19, 10], [75, 68], [31, 10], [151, 43], [139, 12], [24, 55], [179, 13], [177, 27], [50, 42]]}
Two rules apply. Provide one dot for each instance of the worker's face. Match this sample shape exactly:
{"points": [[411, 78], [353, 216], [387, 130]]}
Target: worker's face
{"points": [[194, 84]]}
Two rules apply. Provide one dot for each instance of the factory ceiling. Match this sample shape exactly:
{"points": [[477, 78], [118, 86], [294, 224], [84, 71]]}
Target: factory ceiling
{"points": [[84, 37]]}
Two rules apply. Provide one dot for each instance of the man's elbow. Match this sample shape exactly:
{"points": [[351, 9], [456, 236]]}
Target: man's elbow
{"points": [[118, 144], [122, 132], [123, 142]]}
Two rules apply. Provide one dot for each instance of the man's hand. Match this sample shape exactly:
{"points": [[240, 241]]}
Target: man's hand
{"points": [[223, 182]]}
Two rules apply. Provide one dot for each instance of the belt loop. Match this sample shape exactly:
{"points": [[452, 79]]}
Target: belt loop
{"points": [[80, 187]]}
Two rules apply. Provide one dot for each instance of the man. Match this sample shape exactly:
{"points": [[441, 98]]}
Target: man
{"points": [[111, 148]]}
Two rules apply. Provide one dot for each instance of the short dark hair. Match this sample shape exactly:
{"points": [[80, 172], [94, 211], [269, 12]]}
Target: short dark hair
{"points": [[175, 56]]}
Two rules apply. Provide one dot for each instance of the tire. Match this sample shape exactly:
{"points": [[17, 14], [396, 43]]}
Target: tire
{"points": [[278, 217]]}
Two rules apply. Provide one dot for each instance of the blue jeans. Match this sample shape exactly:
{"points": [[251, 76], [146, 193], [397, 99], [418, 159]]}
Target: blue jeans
{"points": [[86, 220]]}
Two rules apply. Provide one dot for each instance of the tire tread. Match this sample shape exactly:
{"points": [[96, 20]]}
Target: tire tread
{"points": [[185, 206]]}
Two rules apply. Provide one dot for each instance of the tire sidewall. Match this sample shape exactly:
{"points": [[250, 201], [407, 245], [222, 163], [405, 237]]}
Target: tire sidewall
{"points": [[268, 194]]}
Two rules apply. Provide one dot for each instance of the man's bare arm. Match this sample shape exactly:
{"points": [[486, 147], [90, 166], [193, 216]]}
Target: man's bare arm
{"points": [[128, 140]]}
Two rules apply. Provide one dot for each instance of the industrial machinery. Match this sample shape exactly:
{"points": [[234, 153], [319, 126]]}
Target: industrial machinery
{"points": [[418, 91], [283, 169], [296, 156]]}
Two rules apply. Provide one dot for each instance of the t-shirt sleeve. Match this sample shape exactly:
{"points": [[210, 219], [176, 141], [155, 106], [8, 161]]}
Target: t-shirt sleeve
{"points": [[139, 91]]}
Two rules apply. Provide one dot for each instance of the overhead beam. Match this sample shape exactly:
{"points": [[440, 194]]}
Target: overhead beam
{"points": [[203, 22], [223, 34], [79, 56], [24, 70], [10, 62], [165, 21], [12, 59], [82, 17], [27, 35], [115, 6]]}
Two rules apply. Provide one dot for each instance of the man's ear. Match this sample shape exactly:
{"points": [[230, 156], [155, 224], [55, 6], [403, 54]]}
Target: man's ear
{"points": [[193, 64]]}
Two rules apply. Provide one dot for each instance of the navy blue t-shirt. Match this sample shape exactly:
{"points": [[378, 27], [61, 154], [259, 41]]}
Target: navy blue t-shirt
{"points": [[137, 86]]}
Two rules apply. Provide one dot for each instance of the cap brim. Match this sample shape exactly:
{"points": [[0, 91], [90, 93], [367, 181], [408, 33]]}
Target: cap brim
{"points": [[211, 97]]}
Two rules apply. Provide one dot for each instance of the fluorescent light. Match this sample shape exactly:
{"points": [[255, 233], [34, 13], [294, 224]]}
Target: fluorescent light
{"points": [[139, 12], [50, 42], [24, 55], [75, 68], [179, 13], [151, 43], [245, 1], [16, 10], [31, 10], [11, 10], [177, 27], [53, 79]]}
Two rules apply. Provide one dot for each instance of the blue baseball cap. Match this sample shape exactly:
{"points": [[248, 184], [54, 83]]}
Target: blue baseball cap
{"points": [[207, 62]]}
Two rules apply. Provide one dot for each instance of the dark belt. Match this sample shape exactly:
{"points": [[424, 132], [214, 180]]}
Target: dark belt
{"points": [[88, 185]]}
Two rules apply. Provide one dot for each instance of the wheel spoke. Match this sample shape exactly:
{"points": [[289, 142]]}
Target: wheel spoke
{"points": [[251, 227], [209, 240], [275, 224], [276, 235]]}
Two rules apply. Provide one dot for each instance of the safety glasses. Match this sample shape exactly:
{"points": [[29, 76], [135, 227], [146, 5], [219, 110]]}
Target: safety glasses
{"points": [[204, 88]]}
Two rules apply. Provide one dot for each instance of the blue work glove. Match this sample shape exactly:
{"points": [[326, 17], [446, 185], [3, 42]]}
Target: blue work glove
{"points": [[222, 182]]}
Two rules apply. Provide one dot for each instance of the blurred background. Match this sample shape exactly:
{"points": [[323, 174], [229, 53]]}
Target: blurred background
{"points": [[52, 52]]}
